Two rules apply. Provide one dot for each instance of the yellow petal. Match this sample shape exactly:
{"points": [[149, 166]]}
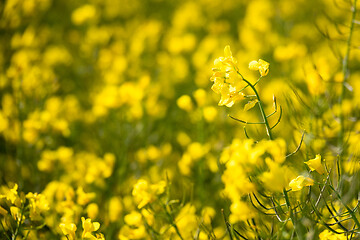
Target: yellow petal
{"points": [[96, 226], [315, 164], [227, 51], [263, 67], [254, 65], [300, 182]]}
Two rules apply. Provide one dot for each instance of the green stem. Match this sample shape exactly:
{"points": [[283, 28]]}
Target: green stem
{"points": [[227, 225], [351, 212], [268, 129], [346, 74], [172, 222], [299, 229], [19, 223]]}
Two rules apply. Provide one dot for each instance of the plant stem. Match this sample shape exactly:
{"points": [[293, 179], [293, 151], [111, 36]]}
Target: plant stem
{"points": [[268, 129], [299, 229], [19, 223], [227, 226], [351, 212], [172, 222]]}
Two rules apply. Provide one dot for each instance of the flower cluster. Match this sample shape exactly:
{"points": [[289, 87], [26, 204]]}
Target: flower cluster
{"points": [[69, 230], [226, 78]]}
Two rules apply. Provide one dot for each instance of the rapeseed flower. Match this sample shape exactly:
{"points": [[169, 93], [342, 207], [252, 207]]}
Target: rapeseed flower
{"points": [[300, 182], [240, 211], [315, 164], [133, 219], [277, 177], [145, 193], [184, 102], [38, 205], [89, 227], [227, 81], [68, 230], [92, 210], [83, 14], [260, 65], [12, 195]]}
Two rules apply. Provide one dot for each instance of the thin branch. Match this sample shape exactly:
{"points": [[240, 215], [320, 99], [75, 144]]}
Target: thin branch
{"points": [[246, 134], [276, 213], [268, 214], [299, 146], [321, 192], [278, 121], [242, 121], [227, 224], [238, 233]]}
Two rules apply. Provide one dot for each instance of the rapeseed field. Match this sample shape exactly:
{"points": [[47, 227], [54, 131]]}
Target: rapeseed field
{"points": [[164, 119]]}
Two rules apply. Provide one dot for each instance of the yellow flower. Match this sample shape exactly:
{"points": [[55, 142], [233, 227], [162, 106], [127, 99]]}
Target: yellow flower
{"points": [[227, 81], [127, 232], [187, 221], [68, 230], [300, 182], [38, 205], [277, 177], [141, 193], [184, 102], [210, 113], [240, 211], [260, 65], [315, 164], [133, 219], [12, 195], [145, 193], [84, 198], [92, 210], [83, 14], [89, 227]]}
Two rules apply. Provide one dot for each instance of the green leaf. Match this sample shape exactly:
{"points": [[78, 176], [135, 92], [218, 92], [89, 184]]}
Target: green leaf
{"points": [[250, 105]]}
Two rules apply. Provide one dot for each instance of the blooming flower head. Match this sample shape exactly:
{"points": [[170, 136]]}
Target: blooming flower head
{"points": [[68, 230], [315, 164], [145, 193], [89, 227], [84, 198], [227, 81], [300, 182], [141, 193], [133, 219], [260, 65], [12, 195], [38, 205]]}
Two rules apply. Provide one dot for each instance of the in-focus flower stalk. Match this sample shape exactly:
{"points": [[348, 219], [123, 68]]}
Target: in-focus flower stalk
{"points": [[229, 83]]}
